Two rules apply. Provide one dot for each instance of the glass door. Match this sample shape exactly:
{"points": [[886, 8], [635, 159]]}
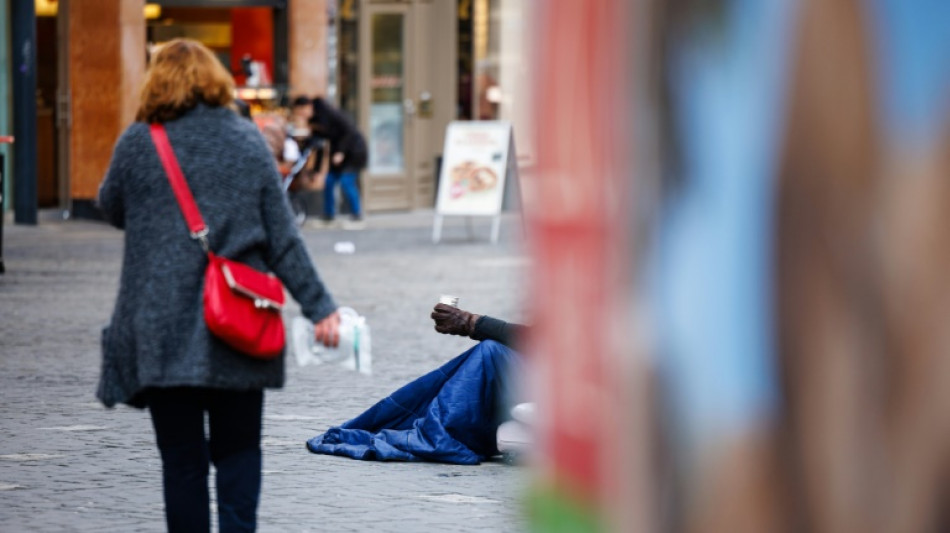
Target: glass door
{"points": [[387, 108]]}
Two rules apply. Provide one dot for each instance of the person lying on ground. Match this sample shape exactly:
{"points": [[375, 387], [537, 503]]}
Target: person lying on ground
{"points": [[450, 415]]}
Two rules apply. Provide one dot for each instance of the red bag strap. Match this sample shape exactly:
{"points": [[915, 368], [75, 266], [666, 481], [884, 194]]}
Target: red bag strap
{"points": [[196, 225]]}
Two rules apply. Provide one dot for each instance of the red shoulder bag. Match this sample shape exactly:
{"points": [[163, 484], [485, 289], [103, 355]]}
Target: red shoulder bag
{"points": [[241, 304]]}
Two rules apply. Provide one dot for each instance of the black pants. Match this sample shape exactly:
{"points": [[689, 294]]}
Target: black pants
{"points": [[234, 447]]}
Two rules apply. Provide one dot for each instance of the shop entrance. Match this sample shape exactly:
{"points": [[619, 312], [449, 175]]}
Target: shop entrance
{"points": [[388, 109], [52, 114], [403, 106]]}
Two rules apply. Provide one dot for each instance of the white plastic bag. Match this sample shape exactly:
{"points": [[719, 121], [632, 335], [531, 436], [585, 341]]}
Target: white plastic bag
{"points": [[353, 353]]}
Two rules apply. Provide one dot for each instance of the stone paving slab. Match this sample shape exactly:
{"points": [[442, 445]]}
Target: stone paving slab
{"points": [[68, 464]]}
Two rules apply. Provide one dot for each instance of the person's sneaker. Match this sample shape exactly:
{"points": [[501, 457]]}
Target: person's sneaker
{"points": [[524, 413], [354, 223], [515, 442], [318, 223]]}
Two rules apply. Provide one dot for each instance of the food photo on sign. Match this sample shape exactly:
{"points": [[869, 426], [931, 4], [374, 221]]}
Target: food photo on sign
{"points": [[469, 177]]}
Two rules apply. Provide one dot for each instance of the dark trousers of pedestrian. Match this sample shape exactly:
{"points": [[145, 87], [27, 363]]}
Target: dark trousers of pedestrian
{"points": [[233, 446], [347, 181]]}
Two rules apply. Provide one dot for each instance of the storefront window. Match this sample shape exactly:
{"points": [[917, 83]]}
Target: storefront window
{"points": [[243, 38], [333, 52], [465, 61], [387, 83], [485, 45], [347, 88]]}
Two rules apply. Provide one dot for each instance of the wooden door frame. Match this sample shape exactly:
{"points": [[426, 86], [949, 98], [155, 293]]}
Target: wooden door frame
{"points": [[63, 109]]}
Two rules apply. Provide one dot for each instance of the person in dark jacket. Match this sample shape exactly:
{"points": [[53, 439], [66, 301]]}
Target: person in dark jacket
{"points": [[449, 415], [347, 157], [157, 351]]}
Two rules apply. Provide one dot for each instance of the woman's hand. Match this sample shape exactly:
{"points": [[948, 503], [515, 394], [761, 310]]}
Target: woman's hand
{"points": [[327, 331], [338, 158], [453, 321]]}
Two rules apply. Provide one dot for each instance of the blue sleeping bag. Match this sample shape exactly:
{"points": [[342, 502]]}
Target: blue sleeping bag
{"points": [[449, 415]]}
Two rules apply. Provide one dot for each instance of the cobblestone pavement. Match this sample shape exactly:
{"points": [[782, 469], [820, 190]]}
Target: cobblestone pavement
{"points": [[68, 464]]}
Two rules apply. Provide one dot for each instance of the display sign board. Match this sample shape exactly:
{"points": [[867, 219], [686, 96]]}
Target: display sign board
{"points": [[478, 159], [474, 167]]}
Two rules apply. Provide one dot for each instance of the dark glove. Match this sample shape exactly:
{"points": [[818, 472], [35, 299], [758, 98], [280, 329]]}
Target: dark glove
{"points": [[453, 321]]}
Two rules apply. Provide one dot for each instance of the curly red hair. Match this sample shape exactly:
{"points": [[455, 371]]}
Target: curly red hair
{"points": [[182, 73]]}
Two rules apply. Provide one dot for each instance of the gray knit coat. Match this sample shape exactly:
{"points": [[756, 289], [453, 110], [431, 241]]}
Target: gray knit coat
{"points": [[157, 336]]}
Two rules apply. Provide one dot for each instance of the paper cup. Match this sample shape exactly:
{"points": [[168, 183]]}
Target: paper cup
{"points": [[448, 299]]}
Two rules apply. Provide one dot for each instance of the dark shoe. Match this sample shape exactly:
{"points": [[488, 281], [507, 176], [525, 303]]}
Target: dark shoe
{"points": [[354, 223]]}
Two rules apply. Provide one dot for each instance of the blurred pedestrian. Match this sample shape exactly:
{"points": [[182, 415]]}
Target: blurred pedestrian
{"points": [[348, 156], [301, 111], [243, 108], [285, 150], [157, 351], [313, 161]]}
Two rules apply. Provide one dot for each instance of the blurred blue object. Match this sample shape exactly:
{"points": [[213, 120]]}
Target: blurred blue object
{"points": [[912, 42], [711, 269]]}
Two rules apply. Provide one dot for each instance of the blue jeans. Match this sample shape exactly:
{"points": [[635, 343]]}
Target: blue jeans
{"points": [[234, 421], [350, 192]]}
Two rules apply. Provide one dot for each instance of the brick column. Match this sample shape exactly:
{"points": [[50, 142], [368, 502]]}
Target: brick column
{"points": [[106, 66], [307, 46]]}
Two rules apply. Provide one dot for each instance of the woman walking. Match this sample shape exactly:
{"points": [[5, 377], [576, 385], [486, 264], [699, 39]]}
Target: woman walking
{"points": [[157, 351]]}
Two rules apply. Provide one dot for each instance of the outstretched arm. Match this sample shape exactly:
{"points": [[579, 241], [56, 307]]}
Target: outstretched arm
{"points": [[453, 321]]}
